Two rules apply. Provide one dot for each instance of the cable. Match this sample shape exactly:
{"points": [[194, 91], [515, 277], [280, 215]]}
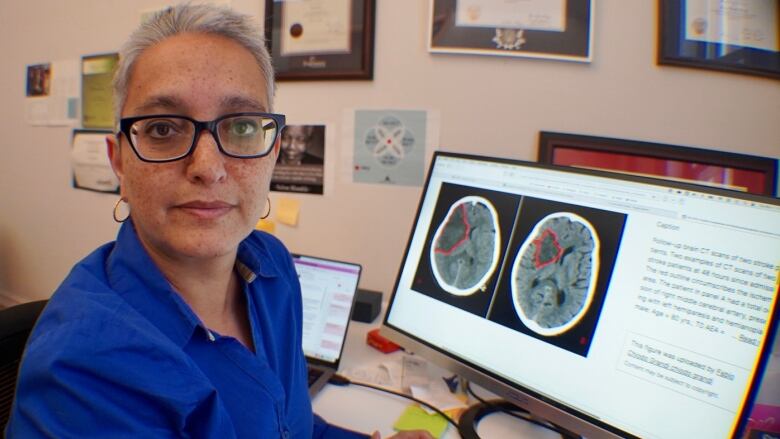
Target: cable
{"points": [[341, 380], [519, 413]]}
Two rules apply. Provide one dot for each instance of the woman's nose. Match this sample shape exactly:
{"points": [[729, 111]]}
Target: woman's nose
{"points": [[206, 163]]}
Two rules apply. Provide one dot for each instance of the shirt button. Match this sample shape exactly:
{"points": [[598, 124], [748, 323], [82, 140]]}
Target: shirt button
{"points": [[285, 434]]}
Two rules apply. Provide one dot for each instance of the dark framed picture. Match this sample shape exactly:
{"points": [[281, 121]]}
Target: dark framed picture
{"points": [[321, 39], [300, 166], [531, 28], [740, 37], [741, 172], [38, 80]]}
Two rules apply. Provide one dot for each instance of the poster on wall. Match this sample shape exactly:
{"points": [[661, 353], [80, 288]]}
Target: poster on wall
{"points": [[97, 97], [389, 146], [90, 165], [300, 166], [52, 91]]}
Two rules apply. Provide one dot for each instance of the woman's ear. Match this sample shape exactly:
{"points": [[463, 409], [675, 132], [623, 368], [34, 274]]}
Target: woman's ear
{"points": [[115, 157]]}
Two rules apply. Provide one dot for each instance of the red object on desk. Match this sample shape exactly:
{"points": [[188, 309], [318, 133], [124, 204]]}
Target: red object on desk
{"points": [[380, 343]]}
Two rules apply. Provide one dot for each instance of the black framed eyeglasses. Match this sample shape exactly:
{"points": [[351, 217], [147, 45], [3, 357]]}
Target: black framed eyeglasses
{"points": [[168, 137]]}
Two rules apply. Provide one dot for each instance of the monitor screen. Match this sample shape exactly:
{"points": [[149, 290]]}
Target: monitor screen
{"points": [[328, 289], [606, 303]]}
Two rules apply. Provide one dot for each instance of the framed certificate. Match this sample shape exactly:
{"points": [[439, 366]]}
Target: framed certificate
{"points": [[97, 94], [321, 39], [738, 36], [90, 166], [555, 29], [727, 170]]}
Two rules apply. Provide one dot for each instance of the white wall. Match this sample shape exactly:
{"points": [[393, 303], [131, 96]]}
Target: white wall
{"points": [[488, 105]]}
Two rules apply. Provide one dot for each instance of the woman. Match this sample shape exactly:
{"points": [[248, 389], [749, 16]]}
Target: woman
{"points": [[189, 324]]}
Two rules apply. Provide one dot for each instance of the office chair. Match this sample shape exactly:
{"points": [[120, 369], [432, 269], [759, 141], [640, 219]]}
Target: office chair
{"points": [[16, 323]]}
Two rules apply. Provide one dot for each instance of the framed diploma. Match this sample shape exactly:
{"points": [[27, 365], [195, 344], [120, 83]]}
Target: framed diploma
{"points": [[321, 39], [727, 170], [554, 29], [741, 36]]}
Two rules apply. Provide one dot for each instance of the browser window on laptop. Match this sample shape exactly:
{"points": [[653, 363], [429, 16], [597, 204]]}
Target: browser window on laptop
{"points": [[328, 288]]}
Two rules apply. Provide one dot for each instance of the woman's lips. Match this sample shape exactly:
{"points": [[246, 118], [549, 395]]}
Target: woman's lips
{"points": [[206, 209]]}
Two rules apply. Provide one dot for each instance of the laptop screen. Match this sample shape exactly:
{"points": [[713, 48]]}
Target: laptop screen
{"points": [[328, 288], [641, 306]]}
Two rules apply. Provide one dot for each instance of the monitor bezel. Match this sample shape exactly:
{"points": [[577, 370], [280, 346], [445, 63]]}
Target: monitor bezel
{"points": [[540, 405]]}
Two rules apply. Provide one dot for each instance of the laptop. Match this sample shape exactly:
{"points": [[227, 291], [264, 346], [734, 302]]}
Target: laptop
{"points": [[328, 288]]}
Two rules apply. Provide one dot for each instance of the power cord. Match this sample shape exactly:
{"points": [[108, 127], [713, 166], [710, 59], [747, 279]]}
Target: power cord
{"points": [[341, 380], [521, 413]]}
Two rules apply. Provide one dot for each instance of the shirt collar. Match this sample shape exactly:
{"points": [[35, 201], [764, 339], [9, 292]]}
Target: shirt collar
{"points": [[133, 274]]}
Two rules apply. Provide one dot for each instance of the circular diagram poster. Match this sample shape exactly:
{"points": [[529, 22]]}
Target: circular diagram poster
{"points": [[389, 147]]}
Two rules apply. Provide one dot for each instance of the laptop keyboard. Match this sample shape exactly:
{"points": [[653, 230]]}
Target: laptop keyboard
{"points": [[314, 374]]}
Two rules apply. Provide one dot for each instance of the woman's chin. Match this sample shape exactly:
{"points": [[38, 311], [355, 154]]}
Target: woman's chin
{"points": [[194, 244]]}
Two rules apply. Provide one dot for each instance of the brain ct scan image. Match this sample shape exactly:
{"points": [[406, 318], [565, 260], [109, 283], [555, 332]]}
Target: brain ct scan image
{"points": [[465, 248], [554, 274]]}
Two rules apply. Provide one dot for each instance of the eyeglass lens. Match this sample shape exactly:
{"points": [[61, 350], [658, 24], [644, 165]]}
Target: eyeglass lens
{"points": [[171, 137]]}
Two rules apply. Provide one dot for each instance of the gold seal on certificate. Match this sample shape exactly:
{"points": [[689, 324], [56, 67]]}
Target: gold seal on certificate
{"points": [[509, 39]]}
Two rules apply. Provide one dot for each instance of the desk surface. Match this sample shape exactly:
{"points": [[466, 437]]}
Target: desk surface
{"points": [[368, 410]]}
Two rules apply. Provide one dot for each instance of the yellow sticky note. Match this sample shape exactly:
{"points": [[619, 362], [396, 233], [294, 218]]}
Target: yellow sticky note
{"points": [[287, 211], [415, 418], [266, 225]]}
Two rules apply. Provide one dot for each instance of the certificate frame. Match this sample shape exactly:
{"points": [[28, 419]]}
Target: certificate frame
{"points": [[99, 186], [573, 43], [723, 169], [97, 92], [677, 50], [357, 62]]}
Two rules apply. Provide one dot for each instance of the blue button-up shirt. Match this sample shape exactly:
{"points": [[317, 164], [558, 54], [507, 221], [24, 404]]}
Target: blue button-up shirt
{"points": [[118, 353]]}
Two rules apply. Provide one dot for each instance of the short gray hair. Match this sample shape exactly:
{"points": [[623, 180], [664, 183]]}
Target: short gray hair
{"points": [[196, 18]]}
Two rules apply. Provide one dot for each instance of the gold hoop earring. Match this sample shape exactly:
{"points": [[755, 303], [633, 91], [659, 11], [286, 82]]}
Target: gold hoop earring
{"points": [[268, 212], [116, 208]]}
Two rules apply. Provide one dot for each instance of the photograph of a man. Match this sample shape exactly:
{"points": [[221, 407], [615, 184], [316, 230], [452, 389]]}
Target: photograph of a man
{"points": [[300, 165], [302, 145]]}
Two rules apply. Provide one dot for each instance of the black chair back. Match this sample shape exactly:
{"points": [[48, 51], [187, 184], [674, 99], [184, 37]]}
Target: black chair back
{"points": [[16, 323]]}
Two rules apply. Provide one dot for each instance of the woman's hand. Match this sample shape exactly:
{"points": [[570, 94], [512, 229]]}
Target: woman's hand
{"points": [[411, 434]]}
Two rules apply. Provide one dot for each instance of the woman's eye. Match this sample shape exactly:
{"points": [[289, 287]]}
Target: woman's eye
{"points": [[160, 130], [243, 128]]}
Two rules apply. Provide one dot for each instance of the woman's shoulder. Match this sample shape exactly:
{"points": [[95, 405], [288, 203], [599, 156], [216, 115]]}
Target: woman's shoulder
{"points": [[87, 317]]}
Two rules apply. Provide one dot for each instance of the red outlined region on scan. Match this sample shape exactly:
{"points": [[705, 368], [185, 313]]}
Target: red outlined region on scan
{"points": [[555, 273], [465, 249]]}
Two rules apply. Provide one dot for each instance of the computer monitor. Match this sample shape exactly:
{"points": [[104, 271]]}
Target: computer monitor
{"points": [[608, 304]]}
